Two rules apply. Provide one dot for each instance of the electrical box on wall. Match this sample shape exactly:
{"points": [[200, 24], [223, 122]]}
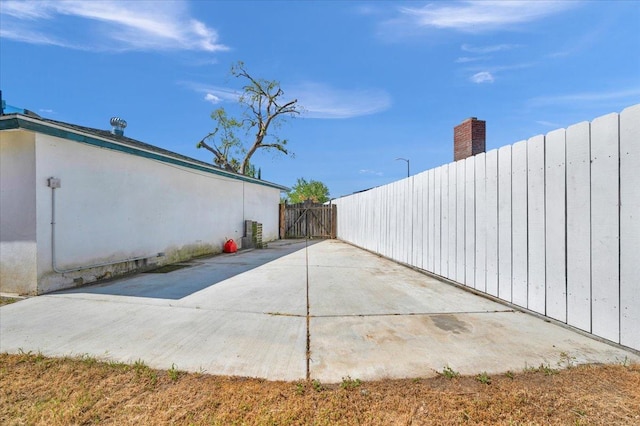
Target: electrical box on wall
{"points": [[53, 182]]}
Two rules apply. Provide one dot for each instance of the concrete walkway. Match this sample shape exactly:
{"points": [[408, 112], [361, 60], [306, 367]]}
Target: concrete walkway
{"points": [[246, 314]]}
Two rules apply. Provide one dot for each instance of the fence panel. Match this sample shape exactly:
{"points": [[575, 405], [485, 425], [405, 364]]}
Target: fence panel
{"points": [[431, 225], [402, 191], [417, 220], [630, 226], [407, 227], [373, 202], [555, 259], [368, 206], [390, 211], [460, 221], [535, 225], [426, 235], [451, 220], [385, 215], [400, 241], [469, 222], [519, 224], [605, 224], [578, 226], [444, 220], [505, 261], [396, 217], [480, 219], [555, 225], [492, 221]]}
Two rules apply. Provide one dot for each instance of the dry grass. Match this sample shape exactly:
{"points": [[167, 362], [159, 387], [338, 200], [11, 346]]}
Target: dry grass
{"points": [[53, 391]]}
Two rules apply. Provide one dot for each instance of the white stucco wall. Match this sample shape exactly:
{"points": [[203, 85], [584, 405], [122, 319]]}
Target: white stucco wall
{"points": [[259, 203], [18, 272], [114, 206]]}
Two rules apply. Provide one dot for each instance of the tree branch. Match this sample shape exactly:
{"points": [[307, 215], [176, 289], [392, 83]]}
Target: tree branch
{"points": [[260, 100], [221, 159], [277, 146]]}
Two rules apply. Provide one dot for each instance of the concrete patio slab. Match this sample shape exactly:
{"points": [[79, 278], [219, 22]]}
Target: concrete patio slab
{"points": [[246, 315], [374, 347], [372, 318], [197, 340]]}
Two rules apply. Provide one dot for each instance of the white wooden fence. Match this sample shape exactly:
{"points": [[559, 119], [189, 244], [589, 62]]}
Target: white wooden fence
{"points": [[551, 224]]}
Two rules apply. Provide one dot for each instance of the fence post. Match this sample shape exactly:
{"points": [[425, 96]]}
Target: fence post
{"points": [[282, 224], [334, 221]]}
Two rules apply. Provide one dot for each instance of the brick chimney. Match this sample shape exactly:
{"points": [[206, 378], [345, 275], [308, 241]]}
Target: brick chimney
{"points": [[469, 138]]}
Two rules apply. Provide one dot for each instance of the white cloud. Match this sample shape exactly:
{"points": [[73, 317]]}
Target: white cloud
{"points": [[369, 172], [487, 73], [212, 98], [466, 59], [28, 36], [316, 100], [628, 95], [547, 123], [108, 25], [24, 9], [487, 49], [512, 67], [322, 101], [213, 94], [482, 77], [478, 16], [367, 9]]}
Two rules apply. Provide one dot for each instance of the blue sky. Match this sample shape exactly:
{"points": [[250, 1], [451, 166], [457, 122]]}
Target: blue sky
{"points": [[378, 80]]}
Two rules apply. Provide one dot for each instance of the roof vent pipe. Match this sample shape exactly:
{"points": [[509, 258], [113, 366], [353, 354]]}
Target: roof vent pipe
{"points": [[118, 126]]}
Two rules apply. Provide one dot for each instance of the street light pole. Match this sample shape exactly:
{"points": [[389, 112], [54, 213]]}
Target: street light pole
{"points": [[404, 159]]}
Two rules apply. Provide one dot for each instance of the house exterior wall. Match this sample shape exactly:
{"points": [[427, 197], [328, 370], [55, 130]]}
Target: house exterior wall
{"points": [[255, 200], [112, 207], [18, 272]]}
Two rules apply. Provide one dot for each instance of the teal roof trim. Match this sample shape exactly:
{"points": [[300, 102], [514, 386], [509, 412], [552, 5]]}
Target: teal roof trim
{"points": [[17, 122]]}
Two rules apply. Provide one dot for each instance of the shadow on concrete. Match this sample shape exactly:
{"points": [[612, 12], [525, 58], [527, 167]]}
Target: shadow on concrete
{"points": [[198, 275]]}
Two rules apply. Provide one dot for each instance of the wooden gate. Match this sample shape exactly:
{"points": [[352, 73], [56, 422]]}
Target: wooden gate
{"points": [[308, 220]]}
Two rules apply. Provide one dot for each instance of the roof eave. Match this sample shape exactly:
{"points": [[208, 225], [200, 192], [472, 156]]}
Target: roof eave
{"points": [[19, 121]]}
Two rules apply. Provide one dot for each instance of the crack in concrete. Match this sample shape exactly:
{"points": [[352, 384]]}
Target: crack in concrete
{"points": [[408, 314]]}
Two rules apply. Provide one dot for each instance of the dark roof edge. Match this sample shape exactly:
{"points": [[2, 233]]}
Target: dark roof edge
{"points": [[19, 121]]}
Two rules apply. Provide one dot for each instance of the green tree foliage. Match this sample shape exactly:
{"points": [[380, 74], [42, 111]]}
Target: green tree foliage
{"points": [[263, 111], [254, 172], [312, 190]]}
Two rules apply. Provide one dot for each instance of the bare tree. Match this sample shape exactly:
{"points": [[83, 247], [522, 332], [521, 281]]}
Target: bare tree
{"points": [[263, 110]]}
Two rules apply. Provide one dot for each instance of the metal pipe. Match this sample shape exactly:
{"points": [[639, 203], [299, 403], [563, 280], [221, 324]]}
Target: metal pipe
{"points": [[53, 245]]}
